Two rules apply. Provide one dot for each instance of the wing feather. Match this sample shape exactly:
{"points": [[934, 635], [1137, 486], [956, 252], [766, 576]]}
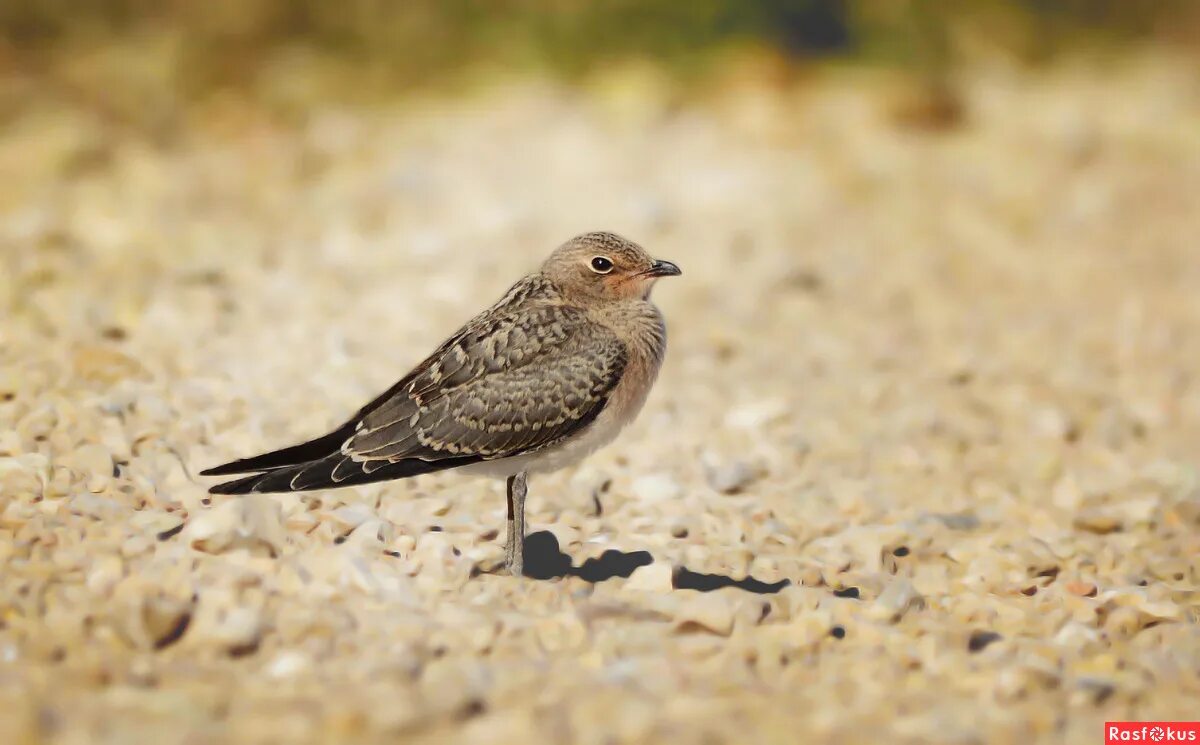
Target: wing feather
{"points": [[520, 377], [535, 377]]}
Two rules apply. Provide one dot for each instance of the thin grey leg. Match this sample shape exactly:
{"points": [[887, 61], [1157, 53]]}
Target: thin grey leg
{"points": [[514, 547], [509, 541]]}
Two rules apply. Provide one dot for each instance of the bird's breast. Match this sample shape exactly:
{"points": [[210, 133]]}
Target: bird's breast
{"points": [[645, 339]]}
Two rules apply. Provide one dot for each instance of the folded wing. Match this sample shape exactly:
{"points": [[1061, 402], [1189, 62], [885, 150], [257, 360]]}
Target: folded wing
{"points": [[507, 384]]}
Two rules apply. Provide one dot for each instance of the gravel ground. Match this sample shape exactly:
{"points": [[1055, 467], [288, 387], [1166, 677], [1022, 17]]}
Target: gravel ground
{"points": [[929, 427]]}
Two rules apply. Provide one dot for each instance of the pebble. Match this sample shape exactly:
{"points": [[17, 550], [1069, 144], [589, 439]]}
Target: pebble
{"points": [[288, 664], [654, 577], [897, 599], [93, 462], [252, 521], [104, 574], [658, 487], [981, 640], [731, 478], [166, 619], [712, 612], [757, 414], [221, 624], [105, 365], [1075, 635], [1022, 681], [1083, 589], [1098, 521], [369, 535]]}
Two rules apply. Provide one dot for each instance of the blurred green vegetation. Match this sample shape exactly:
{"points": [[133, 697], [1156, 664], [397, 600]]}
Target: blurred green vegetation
{"points": [[202, 45]]}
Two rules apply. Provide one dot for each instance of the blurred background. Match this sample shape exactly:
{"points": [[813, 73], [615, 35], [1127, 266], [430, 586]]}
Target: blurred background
{"points": [[143, 64]]}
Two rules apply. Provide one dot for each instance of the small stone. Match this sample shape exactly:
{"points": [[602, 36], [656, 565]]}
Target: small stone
{"points": [[710, 611], [106, 365], [958, 520], [351, 516], [757, 414], [1159, 610], [658, 487], [1066, 493], [288, 664], [731, 478], [1025, 679], [369, 535], [94, 463], [252, 521], [558, 634], [449, 685], [231, 628], [106, 571], [1082, 589], [1094, 691], [1124, 621], [165, 619], [1075, 635], [654, 577], [896, 599], [1096, 521], [1054, 423], [980, 640]]}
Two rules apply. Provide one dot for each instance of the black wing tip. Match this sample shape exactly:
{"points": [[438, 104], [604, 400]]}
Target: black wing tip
{"points": [[237, 486], [245, 465], [285, 479], [267, 482], [296, 455]]}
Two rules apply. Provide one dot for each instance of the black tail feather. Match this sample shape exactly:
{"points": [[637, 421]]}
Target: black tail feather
{"points": [[318, 474], [297, 455], [305, 452]]}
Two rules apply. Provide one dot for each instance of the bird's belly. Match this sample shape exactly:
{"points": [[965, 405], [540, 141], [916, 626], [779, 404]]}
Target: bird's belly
{"points": [[601, 432], [623, 406]]}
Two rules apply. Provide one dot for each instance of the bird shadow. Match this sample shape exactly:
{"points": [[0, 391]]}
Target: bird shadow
{"points": [[545, 560]]}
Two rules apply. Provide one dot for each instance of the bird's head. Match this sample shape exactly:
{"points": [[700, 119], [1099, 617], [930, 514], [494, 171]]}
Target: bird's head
{"points": [[605, 266]]}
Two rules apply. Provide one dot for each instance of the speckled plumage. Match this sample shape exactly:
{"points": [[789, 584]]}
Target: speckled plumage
{"points": [[545, 376]]}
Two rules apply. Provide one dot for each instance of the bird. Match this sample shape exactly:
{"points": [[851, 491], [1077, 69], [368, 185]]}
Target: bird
{"points": [[547, 375]]}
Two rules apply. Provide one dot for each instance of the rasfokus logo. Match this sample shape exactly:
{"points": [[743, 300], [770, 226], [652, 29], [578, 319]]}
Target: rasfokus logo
{"points": [[1151, 732]]}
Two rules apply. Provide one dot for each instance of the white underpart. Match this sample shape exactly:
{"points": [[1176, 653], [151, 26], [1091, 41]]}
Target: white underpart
{"points": [[624, 404]]}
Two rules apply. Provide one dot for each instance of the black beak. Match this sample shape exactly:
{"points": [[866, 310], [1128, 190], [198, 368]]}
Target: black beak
{"points": [[663, 269]]}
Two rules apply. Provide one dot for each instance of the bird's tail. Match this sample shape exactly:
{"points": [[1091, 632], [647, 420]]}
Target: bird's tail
{"points": [[297, 455], [320, 464], [330, 472]]}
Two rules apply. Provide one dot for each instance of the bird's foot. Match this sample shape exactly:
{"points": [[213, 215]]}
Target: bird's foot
{"points": [[490, 566], [499, 566], [513, 562], [515, 565]]}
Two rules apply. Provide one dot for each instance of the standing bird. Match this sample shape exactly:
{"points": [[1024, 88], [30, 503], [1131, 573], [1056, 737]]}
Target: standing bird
{"points": [[541, 379]]}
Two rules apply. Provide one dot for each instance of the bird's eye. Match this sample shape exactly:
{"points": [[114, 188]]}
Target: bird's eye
{"points": [[602, 265]]}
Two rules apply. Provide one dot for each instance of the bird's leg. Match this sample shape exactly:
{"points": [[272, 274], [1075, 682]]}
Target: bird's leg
{"points": [[509, 543], [514, 548]]}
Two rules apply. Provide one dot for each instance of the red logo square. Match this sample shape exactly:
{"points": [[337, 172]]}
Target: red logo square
{"points": [[1151, 732]]}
